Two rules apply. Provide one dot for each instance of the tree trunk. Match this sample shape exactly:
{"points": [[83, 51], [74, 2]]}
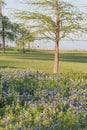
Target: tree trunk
{"points": [[29, 46], [23, 48], [3, 38], [0, 8], [3, 30], [57, 36], [56, 58]]}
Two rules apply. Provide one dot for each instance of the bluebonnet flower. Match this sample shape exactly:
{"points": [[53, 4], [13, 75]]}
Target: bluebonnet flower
{"points": [[79, 125], [72, 102], [55, 91], [47, 128], [20, 128], [58, 121], [36, 129], [21, 117]]}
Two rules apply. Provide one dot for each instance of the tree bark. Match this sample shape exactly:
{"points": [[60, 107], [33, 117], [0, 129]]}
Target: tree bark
{"points": [[23, 48], [29, 46], [57, 36], [56, 57], [3, 30], [3, 38]]}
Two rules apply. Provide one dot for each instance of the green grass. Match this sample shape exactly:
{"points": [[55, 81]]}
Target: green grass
{"points": [[43, 60]]}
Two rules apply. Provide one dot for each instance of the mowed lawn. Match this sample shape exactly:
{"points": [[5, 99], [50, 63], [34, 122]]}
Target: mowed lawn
{"points": [[43, 60]]}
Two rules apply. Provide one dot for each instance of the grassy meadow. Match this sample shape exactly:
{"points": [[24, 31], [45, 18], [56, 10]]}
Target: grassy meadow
{"points": [[39, 100], [43, 60]]}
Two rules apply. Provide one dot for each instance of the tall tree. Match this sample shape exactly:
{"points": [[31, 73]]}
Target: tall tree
{"points": [[54, 20], [0, 16], [6, 31], [5, 27], [1, 4], [21, 38], [23, 35], [0, 8]]}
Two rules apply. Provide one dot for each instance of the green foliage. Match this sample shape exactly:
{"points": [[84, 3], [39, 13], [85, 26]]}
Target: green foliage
{"points": [[40, 101], [23, 33], [7, 26], [45, 19]]}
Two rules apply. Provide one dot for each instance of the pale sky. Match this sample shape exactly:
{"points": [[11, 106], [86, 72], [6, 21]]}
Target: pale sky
{"points": [[15, 4]]}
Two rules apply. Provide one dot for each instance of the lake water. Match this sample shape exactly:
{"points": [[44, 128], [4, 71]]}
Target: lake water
{"points": [[65, 45]]}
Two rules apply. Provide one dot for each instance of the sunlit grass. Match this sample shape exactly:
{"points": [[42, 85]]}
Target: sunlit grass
{"points": [[44, 60], [70, 61]]}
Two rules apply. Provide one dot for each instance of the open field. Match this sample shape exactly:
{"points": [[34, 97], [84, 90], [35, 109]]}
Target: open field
{"points": [[39, 101], [43, 60], [31, 100]]}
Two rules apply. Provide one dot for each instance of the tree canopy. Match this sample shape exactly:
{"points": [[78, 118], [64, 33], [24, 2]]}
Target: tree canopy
{"points": [[7, 31], [54, 20]]}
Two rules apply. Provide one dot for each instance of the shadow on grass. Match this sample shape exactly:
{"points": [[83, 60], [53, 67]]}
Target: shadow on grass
{"points": [[79, 57], [3, 67], [74, 57], [66, 57]]}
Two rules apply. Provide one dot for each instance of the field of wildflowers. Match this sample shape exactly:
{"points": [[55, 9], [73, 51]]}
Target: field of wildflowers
{"points": [[38, 101]]}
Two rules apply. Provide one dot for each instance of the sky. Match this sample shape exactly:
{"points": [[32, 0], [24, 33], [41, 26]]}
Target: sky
{"points": [[15, 4]]}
